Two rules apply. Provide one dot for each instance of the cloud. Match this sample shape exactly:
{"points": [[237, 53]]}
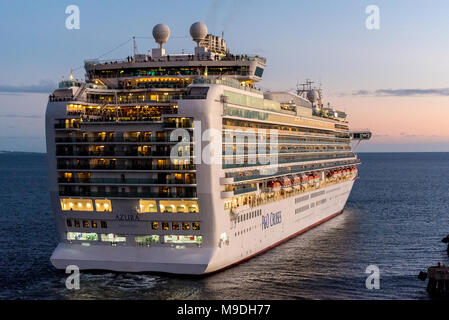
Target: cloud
{"points": [[44, 86], [33, 116], [403, 92]]}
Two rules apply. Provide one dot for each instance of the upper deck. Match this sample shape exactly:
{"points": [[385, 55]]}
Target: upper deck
{"points": [[210, 57], [160, 79]]}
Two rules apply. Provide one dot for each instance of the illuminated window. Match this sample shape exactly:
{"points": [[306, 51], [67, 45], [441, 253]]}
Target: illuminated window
{"points": [[76, 223], [85, 224], [111, 237], [185, 226], [82, 236], [155, 225], [147, 240], [76, 204], [94, 224], [195, 226], [175, 225], [103, 205], [183, 239], [103, 224], [165, 225], [178, 206], [147, 206]]}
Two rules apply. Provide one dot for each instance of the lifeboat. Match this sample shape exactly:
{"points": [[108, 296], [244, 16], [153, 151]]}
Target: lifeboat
{"points": [[304, 180], [274, 186], [286, 184], [296, 182], [316, 178], [311, 180]]}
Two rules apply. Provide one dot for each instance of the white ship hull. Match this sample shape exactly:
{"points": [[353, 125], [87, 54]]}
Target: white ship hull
{"points": [[246, 239], [178, 164]]}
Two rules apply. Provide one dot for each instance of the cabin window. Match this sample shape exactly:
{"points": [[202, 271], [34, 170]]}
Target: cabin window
{"points": [[76, 204], [111, 237], [185, 226], [82, 236], [103, 205]]}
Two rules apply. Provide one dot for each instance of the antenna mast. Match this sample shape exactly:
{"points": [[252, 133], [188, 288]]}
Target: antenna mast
{"points": [[135, 46]]}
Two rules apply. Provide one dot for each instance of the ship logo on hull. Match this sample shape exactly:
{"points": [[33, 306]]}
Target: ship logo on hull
{"points": [[126, 217], [271, 219]]}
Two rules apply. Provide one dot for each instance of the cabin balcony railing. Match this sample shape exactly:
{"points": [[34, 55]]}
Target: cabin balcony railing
{"points": [[105, 194], [282, 171], [117, 139], [189, 167], [280, 161], [126, 181], [244, 190]]}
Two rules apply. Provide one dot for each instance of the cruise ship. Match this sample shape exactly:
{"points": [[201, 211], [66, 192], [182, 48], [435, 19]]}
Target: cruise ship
{"points": [[177, 163]]}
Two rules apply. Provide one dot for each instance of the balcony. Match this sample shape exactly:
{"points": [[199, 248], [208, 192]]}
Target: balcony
{"points": [[183, 167], [127, 181], [281, 161], [284, 171], [231, 193], [138, 195], [238, 191], [117, 139]]}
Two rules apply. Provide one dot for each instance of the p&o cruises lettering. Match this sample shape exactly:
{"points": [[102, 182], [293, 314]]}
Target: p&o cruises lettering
{"points": [[271, 219]]}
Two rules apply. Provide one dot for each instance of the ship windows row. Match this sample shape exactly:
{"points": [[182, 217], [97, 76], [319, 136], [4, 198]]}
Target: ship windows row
{"points": [[242, 232], [249, 215], [141, 240], [85, 223], [101, 205], [155, 225], [144, 206], [301, 209], [185, 225], [168, 206]]}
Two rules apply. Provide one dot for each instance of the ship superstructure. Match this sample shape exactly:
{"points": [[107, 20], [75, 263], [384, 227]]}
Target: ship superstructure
{"points": [[177, 163]]}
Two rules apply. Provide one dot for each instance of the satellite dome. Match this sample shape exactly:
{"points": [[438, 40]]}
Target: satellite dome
{"points": [[312, 96], [161, 33], [198, 31]]}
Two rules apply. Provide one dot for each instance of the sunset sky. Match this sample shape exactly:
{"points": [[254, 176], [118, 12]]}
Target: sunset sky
{"points": [[394, 80]]}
